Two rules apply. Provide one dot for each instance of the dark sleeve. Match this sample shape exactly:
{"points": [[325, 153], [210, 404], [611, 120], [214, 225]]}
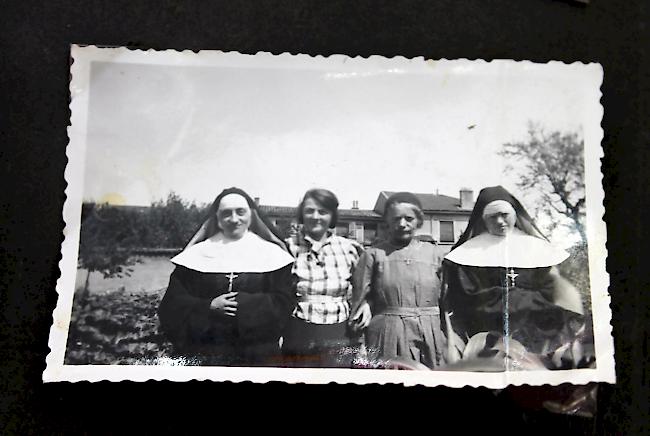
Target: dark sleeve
{"points": [[456, 299], [262, 315], [354, 254], [443, 275], [362, 280], [183, 317]]}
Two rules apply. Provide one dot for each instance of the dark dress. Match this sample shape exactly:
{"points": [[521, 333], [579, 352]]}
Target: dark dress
{"points": [[403, 290], [478, 297], [251, 338]]}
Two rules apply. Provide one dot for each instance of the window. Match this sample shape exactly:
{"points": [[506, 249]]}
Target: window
{"points": [[356, 231], [369, 233], [342, 230], [447, 231]]}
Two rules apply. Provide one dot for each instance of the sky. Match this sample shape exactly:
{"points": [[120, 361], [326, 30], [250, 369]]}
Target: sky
{"points": [[278, 131]]}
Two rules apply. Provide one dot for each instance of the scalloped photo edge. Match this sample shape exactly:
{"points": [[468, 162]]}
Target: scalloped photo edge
{"points": [[85, 102]]}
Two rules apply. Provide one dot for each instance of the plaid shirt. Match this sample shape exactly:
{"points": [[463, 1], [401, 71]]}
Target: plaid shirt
{"points": [[323, 273]]}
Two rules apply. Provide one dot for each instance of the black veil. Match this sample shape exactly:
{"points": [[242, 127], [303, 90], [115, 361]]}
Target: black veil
{"points": [[476, 226], [260, 224]]}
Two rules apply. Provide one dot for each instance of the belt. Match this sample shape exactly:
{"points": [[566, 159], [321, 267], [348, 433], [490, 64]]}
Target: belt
{"points": [[411, 311], [321, 298]]}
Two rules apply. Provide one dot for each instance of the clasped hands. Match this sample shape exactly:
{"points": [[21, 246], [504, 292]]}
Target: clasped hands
{"points": [[225, 304]]}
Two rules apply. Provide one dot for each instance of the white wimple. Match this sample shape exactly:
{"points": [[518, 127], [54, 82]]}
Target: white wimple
{"points": [[517, 249], [248, 254]]}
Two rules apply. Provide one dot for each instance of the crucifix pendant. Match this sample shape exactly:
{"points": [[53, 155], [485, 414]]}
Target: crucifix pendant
{"points": [[512, 276], [232, 276]]}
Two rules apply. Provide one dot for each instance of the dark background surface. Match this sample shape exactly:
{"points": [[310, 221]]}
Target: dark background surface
{"points": [[34, 61]]}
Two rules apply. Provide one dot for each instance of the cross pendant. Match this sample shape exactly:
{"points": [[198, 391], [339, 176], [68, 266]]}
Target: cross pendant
{"points": [[407, 261], [232, 276], [512, 276]]}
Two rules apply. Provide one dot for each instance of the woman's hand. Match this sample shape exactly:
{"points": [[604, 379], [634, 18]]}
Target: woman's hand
{"points": [[455, 345], [361, 318], [225, 304], [455, 348]]}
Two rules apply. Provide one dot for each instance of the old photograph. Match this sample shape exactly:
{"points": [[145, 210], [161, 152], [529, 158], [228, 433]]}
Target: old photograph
{"points": [[332, 219]]}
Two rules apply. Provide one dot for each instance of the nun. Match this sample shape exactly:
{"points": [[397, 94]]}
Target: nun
{"points": [[502, 278], [231, 291]]}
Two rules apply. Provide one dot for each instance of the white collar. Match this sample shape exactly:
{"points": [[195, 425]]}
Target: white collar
{"points": [[248, 254], [516, 249], [317, 245]]}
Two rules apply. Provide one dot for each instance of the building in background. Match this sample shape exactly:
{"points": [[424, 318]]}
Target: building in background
{"points": [[445, 218]]}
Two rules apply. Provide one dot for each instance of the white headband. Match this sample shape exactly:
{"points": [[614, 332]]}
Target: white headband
{"points": [[240, 202], [498, 206]]}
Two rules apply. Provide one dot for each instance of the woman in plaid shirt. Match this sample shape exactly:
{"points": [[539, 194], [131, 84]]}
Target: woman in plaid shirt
{"points": [[316, 335]]}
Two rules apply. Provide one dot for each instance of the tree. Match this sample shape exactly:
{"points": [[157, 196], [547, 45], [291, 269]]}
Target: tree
{"points": [[552, 164], [171, 223], [106, 242]]}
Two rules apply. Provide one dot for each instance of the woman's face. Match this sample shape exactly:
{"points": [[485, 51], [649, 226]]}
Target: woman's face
{"points": [[234, 216], [402, 223], [316, 218], [499, 219]]}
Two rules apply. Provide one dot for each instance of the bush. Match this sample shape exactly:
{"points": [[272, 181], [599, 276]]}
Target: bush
{"points": [[170, 223], [116, 328], [121, 327]]}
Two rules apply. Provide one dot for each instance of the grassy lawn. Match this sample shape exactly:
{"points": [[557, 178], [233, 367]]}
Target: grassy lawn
{"points": [[149, 275]]}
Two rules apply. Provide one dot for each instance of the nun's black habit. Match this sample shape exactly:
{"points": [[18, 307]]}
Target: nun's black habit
{"points": [[257, 267], [506, 284]]}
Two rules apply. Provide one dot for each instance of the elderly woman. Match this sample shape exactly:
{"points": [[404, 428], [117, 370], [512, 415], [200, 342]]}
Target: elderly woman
{"points": [[397, 291], [502, 277], [316, 333], [230, 293]]}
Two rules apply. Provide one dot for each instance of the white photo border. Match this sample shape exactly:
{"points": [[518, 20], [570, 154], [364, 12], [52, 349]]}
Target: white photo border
{"points": [[56, 370]]}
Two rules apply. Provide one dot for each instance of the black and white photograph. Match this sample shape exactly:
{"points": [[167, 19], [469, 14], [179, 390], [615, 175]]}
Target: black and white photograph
{"points": [[332, 219]]}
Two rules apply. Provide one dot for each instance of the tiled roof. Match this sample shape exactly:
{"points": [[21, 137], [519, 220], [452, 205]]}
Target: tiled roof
{"points": [[358, 213], [430, 202], [288, 211], [278, 210]]}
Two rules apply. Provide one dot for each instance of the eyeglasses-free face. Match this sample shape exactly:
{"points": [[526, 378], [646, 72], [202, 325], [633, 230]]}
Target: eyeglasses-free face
{"points": [[316, 219], [234, 216], [499, 217], [402, 223]]}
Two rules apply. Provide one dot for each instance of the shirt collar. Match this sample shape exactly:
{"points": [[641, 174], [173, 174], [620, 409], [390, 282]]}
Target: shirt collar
{"points": [[315, 245]]}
